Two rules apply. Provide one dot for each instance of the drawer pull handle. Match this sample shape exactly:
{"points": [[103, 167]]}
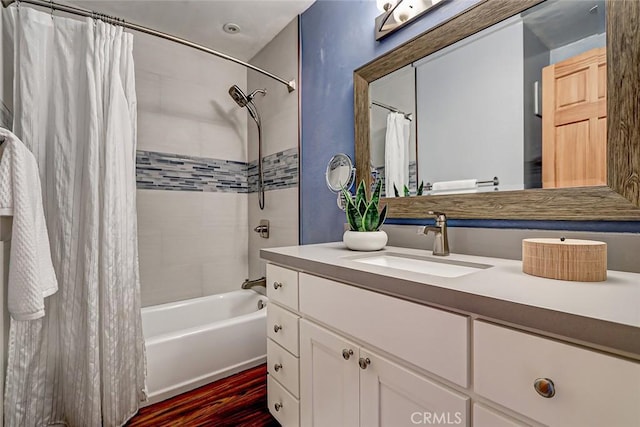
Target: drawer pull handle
{"points": [[277, 285], [277, 407], [364, 362], [276, 328], [545, 387], [346, 354], [277, 366]]}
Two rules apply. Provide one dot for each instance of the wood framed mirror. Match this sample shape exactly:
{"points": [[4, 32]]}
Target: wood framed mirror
{"points": [[619, 200]]}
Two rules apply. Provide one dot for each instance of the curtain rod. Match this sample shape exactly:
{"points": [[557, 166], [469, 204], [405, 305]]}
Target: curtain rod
{"points": [[393, 109], [291, 85]]}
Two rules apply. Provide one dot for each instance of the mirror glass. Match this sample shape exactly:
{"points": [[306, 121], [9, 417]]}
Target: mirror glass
{"points": [[519, 105], [340, 173]]}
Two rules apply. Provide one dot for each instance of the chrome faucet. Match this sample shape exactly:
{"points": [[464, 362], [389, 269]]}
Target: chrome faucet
{"points": [[441, 241], [248, 284]]}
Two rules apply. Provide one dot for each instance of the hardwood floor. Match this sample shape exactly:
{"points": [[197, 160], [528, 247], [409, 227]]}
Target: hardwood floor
{"points": [[239, 400]]}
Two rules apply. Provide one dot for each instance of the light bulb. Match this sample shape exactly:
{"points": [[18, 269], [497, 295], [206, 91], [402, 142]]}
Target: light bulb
{"points": [[385, 5], [405, 11]]}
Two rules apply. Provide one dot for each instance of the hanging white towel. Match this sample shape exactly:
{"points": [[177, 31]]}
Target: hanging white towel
{"points": [[31, 275], [396, 153]]}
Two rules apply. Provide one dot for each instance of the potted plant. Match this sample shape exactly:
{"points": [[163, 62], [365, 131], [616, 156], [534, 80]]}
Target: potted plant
{"points": [[364, 219]]}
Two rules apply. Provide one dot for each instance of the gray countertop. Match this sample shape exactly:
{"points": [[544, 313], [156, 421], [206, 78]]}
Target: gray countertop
{"points": [[600, 315]]}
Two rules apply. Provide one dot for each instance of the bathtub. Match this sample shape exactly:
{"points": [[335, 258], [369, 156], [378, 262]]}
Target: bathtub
{"points": [[194, 342]]}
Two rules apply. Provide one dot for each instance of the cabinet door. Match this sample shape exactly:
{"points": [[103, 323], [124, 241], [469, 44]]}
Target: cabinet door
{"points": [[393, 396], [328, 379]]}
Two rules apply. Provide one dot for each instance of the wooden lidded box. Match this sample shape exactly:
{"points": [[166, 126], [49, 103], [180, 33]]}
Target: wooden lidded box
{"points": [[565, 259]]}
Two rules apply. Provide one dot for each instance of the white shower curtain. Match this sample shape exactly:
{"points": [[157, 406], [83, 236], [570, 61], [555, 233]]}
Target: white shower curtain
{"points": [[83, 364], [396, 153]]}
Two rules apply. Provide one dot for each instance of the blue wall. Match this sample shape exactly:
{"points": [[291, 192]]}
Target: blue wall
{"points": [[336, 37]]}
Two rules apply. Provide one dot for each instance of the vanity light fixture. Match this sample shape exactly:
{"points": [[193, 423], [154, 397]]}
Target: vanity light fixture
{"points": [[398, 13]]}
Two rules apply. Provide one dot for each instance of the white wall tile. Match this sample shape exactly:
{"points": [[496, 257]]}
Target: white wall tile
{"points": [[168, 134], [281, 209], [280, 132], [168, 210], [225, 141], [279, 108], [280, 127], [148, 90], [173, 283], [183, 101], [191, 243]]}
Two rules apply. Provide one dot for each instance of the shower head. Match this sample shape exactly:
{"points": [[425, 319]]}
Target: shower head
{"points": [[241, 99], [238, 95]]}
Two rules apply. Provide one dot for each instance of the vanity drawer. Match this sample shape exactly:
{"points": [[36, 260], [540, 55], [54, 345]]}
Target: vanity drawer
{"points": [[284, 367], [282, 286], [282, 405], [591, 389], [432, 339], [282, 327], [487, 417]]}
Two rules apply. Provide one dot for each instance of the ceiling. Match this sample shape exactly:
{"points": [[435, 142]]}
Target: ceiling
{"points": [[201, 21], [557, 23]]}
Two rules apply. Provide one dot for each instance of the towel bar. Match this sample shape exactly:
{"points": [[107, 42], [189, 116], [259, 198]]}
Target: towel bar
{"points": [[491, 182]]}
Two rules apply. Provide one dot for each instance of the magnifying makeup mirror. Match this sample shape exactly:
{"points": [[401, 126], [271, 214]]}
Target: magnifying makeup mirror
{"points": [[340, 174]]}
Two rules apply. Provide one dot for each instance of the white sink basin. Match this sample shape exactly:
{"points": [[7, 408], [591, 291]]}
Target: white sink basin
{"points": [[431, 266]]}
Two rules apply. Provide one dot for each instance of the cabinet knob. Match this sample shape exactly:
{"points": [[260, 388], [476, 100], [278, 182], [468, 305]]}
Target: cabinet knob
{"points": [[276, 328], [277, 407], [277, 285], [347, 353], [544, 387], [277, 366], [364, 362]]}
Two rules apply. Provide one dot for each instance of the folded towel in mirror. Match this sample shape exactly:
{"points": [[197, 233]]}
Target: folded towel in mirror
{"points": [[461, 184]]}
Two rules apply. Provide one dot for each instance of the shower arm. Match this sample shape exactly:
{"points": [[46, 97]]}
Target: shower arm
{"points": [[291, 85]]}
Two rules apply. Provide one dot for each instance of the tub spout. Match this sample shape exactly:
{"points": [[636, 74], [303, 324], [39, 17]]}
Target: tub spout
{"points": [[249, 284]]}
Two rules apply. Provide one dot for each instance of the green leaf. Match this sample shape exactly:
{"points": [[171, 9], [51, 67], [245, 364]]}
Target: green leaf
{"points": [[371, 217], [362, 209], [375, 198], [353, 217], [406, 191], [381, 217], [395, 190], [361, 194], [420, 189]]}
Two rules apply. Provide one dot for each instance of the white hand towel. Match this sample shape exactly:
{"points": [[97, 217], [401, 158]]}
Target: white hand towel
{"points": [[31, 274], [396, 153], [461, 184]]}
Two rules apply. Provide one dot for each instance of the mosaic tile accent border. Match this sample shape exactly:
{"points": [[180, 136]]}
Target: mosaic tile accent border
{"points": [[413, 175], [6, 117], [174, 172], [280, 171]]}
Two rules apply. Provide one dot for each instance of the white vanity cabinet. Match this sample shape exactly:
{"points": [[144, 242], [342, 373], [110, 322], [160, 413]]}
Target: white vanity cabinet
{"points": [[283, 340], [343, 384], [341, 355]]}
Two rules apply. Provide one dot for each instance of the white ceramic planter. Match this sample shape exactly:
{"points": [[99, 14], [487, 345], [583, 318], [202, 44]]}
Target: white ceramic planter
{"points": [[364, 240]]}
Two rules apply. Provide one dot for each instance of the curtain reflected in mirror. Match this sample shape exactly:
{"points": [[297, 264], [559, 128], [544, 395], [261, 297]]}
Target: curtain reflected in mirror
{"points": [[519, 105]]}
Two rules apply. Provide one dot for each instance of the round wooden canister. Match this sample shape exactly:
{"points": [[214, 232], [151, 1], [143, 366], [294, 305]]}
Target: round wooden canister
{"points": [[565, 259]]}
